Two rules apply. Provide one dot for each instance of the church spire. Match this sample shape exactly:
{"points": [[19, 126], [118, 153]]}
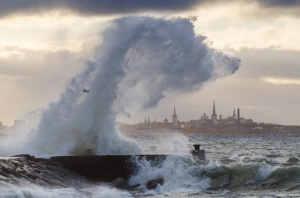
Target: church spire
{"points": [[214, 109], [174, 117]]}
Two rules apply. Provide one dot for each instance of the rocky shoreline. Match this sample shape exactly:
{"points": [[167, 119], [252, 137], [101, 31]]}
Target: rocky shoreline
{"points": [[24, 170]]}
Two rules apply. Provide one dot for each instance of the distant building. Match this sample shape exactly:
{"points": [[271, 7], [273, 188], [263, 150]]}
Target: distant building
{"points": [[214, 116], [249, 121], [231, 120], [243, 121], [174, 118], [204, 117], [233, 117], [166, 121]]}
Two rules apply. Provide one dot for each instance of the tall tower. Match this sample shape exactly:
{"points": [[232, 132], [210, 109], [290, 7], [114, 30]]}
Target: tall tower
{"points": [[238, 112], [234, 115], [145, 120], [214, 116], [174, 117]]}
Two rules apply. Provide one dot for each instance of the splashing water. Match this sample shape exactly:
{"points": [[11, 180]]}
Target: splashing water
{"points": [[180, 174], [8, 190], [135, 52]]}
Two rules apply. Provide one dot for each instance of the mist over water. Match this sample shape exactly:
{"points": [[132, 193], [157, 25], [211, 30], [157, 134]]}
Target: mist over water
{"points": [[138, 60]]}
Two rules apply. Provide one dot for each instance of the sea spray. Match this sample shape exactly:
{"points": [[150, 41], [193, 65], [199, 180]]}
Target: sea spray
{"points": [[180, 174], [138, 60], [265, 171]]}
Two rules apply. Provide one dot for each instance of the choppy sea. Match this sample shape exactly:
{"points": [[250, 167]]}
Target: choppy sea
{"points": [[235, 166]]}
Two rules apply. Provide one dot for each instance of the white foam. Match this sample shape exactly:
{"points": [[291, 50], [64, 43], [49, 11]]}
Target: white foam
{"points": [[8, 190], [105, 192], [265, 171], [180, 174]]}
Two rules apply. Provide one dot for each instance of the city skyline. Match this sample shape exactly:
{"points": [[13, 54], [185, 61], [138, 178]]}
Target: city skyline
{"points": [[213, 115], [160, 118]]}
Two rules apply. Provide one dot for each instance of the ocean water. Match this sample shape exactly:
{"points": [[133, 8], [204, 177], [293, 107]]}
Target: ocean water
{"points": [[235, 166]]}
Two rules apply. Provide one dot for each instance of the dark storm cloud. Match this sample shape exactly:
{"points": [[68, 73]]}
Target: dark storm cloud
{"points": [[275, 8], [279, 3], [111, 7], [94, 7]]}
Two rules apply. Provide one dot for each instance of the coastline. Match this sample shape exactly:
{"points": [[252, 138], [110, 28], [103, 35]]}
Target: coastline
{"points": [[163, 131]]}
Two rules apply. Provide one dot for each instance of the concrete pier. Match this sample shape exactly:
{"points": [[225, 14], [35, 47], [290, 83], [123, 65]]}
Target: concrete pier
{"points": [[198, 153], [105, 168]]}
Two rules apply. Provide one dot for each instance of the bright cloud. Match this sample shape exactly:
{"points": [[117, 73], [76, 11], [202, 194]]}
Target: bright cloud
{"points": [[281, 81]]}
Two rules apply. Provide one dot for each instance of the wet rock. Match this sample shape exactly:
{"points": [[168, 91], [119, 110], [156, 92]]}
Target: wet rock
{"points": [[36, 170], [19, 170], [14, 179], [30, 173], [7, 167], [5, 179], [135, 186], [41, 182], [45, 181], [11, 165], [16, 163], [120, 184], [25, 177], [39, 165], [3, 174], [152, 184], [292, 161], [52, 168], [56, 164], [293, 187], [26, 156]]}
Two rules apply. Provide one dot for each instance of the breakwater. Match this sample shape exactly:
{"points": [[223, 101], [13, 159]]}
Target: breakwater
{"points": [[99, 168], [105, 168]]}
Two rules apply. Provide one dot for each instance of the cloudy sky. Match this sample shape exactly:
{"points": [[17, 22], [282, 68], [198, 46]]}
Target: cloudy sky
{"points": [[44, 43]]}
